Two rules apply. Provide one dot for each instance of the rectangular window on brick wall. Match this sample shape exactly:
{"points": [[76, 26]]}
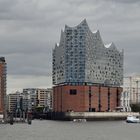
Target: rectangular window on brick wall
{"points": [[73, 91]]}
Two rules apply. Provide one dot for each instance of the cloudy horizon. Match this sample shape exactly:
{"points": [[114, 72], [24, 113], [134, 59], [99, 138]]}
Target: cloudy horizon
{"points": [[30, 29]]}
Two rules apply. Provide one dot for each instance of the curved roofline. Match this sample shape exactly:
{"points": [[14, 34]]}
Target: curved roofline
{"points": [[108, 45], [111, 46], [83, 21], [96, 31]]}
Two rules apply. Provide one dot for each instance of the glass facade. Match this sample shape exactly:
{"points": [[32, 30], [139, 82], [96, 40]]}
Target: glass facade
{"points": [[81, 57]]}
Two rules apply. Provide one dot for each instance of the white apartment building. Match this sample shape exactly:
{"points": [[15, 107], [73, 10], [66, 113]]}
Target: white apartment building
{"points": [[45, 98], [132, 86], [125, 101]]}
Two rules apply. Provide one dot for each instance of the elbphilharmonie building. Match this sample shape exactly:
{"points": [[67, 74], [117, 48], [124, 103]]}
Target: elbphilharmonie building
{"points": [[87, 75], [82, 58]]}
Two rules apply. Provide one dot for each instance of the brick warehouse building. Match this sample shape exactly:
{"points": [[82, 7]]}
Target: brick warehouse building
{"points": [[86, 98], [87, 74], [2, 85]]}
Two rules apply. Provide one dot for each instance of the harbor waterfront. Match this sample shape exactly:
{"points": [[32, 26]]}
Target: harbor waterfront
{"points": [[67, 130], [91, 116], [100, 115]]}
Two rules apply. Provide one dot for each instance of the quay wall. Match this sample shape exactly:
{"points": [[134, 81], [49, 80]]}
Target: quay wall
{"points": [[100, 115], [91, 116]]}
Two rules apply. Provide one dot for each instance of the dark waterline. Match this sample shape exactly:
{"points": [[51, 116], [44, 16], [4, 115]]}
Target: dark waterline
{"points": [[59, 130]]}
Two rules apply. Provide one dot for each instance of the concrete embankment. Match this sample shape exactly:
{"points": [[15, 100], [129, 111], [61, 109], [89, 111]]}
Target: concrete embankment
{"points": [[99, 115]]}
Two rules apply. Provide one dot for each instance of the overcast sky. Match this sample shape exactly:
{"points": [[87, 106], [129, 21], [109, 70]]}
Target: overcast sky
{"points": [[29, 30]]}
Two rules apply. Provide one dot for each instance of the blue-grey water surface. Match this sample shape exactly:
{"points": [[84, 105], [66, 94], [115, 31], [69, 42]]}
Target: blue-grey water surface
{"points": [[65, 130]]}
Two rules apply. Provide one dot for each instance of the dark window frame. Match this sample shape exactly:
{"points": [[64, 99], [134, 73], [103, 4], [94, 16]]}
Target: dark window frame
{"points": [[73, 92]]}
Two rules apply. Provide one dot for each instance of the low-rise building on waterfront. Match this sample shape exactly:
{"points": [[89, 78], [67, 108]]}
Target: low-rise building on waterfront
{"points": [[29, 99], [45, 98]]}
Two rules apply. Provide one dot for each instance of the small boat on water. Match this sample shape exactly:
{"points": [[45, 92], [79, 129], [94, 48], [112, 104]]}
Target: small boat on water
{"points": [[132, 119], [79, 120]]}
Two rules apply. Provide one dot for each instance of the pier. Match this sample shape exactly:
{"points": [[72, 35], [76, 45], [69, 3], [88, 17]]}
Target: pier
{"points": [[14, 118]]}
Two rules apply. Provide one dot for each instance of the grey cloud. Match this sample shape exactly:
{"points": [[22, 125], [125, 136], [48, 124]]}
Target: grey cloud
{"points": [[18, 82], [24, 64], [6, 5], [29, 30], [127, 1]]}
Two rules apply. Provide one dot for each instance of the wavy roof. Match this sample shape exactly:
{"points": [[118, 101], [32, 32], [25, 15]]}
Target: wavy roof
{"points": [[96, 32]]}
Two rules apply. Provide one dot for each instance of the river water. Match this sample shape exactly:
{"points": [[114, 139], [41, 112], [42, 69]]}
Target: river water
{"points": [[65, 130]]}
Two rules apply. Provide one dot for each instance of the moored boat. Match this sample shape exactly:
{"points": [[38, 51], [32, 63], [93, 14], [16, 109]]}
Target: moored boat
{"points": [[132, 119], [79, 120]]}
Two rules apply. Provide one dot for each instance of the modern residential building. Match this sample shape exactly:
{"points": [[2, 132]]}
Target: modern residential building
{"points": [[125, 101], [86, 73], [12, 100], [45, 98], [3, 70], [29, 99], [131, 85], [38, 97]]}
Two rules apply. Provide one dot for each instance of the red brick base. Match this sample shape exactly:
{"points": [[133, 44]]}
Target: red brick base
{"points": [[94, 98]]}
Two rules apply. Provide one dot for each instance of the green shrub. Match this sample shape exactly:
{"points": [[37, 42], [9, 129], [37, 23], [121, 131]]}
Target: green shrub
{"points": [[135, 107]]}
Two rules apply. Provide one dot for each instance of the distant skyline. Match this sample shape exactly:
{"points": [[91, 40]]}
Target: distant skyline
{"points": [[30, 29]]}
